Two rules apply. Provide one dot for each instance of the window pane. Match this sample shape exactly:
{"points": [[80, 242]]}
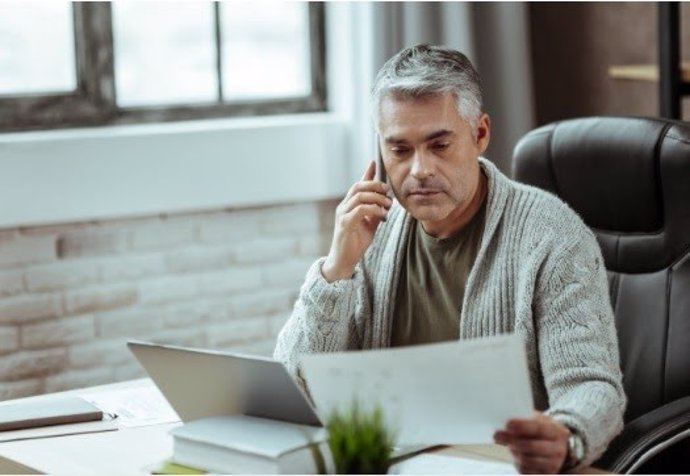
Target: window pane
{"points": [[36, 47], [164, 53], [265, 49]]}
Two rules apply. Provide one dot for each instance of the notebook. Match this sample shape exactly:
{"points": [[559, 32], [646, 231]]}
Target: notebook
{"points": [[46, 412]]}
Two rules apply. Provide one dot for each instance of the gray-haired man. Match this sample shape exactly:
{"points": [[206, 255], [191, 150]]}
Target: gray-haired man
{"points": [[465, 252]]}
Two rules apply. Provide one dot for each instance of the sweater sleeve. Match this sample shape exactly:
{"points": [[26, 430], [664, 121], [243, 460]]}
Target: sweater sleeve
{"points": [[322, 318], [578, 346]]}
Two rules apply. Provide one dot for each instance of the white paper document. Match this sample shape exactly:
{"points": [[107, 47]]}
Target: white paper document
{"points": [[439, 464], [139, 406], [449, 393]]}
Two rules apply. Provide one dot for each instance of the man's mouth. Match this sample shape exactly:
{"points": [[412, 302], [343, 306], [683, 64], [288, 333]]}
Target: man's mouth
{"points": [[424, 192]]}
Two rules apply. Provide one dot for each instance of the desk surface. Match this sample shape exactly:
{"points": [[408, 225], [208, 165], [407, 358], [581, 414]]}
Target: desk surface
{"points": [[136, 450]]}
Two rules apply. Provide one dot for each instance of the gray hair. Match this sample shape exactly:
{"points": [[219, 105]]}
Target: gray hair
{"points": [[425, 70]]}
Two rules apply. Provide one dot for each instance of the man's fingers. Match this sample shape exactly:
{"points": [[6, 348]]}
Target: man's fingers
{"points": [[533, 447], [538, 444], [501, 437], [370, 172], [536, 465], [364, 211], [368, 198], [534, 428], [367, 186]]}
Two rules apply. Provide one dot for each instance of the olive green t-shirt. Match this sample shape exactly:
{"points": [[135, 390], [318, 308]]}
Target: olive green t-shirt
{"points": [[432, 283]]}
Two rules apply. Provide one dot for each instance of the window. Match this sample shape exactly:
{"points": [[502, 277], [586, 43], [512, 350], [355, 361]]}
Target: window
{"points": [[89, 63]]}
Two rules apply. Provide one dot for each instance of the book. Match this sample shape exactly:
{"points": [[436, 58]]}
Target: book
{"points": [[251, 445], [54, 411]]}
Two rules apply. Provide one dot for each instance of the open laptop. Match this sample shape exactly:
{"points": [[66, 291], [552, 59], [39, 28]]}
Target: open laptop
{"points": [[203, 383]]}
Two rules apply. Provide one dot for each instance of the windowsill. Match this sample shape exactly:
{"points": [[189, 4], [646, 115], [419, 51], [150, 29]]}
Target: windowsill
{"points": [[120, 171], [173, 127]]}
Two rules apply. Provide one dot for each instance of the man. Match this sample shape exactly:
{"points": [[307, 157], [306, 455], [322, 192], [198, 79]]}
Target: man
{"points": [[465, 252]]}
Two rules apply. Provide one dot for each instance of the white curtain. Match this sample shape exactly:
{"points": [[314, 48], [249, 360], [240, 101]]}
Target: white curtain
{"points": [[495, 36]]}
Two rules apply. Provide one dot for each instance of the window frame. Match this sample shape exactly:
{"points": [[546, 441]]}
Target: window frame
{"points": [[93, 103]]}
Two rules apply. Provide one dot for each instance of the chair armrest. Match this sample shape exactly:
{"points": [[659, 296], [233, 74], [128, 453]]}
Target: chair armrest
{"points": [[646, 436]]}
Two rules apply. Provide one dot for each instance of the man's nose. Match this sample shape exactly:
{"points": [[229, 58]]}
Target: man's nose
{"points": [[422, 166]]}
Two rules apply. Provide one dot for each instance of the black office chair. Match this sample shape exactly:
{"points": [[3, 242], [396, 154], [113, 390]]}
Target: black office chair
{"points": [[629, 179]]}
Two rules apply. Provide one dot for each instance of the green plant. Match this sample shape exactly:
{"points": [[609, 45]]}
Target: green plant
{"points": [[359, 441]]}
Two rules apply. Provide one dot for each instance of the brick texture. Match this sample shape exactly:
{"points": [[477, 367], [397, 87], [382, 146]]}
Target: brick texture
{"points": [[59, 332], [9, 339], [132, 268], [27, 308], [129, 324], [72, 294], [61, 275], [27, 250], [92, 243], [160, 236], [237, 332], [261, 303], [100, 298], [230, 281], [79, 379], [100, 353], [29, 364], [22, 388], [11, 282], [200, 258], [169, 289], [266, 250]]}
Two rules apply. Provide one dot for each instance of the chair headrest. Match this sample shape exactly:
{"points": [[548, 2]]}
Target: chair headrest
{"points": [[628, 178]]}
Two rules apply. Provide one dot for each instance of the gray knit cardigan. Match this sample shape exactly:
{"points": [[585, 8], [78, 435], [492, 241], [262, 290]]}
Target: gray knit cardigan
{"points": [[538, 273]]}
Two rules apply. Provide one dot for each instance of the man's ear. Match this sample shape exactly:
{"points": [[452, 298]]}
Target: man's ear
{"points": [[483, 133]]}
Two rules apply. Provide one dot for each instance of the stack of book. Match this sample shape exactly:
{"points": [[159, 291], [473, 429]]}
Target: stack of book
{"points": [[251, 445]]}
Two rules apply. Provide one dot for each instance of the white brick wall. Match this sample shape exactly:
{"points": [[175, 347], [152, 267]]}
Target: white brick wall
{"points": [[11, 282], [29, 307], [58, 332], [71, 295], [24, 250]]}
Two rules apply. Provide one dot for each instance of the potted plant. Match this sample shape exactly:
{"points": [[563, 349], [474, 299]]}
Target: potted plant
{"points": [[359, 441]]}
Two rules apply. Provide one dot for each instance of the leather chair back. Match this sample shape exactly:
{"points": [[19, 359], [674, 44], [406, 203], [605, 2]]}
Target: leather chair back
{"points": [[629, 180]]}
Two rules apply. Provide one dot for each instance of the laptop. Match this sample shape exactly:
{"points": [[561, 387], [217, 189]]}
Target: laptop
{"points": [[204, 383]]}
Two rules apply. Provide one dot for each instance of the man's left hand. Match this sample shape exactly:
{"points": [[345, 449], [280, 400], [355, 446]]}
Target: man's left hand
{"points": [[538, 444]]}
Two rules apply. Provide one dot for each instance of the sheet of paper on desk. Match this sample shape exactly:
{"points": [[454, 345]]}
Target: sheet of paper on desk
{"points": [[447, 393], [139, 406], [439, 464]]}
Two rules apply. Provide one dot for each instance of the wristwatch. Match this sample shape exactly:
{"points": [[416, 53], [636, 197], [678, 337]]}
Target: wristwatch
{"points": [[576, 451]]}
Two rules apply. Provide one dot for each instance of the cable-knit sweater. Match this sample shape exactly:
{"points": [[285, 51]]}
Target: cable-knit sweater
{"points": [[538, 273]]}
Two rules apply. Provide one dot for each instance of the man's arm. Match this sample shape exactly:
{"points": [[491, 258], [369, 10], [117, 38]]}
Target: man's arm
{"points": [[578, 346], [578, 351], [322, 318], [334, 289]]}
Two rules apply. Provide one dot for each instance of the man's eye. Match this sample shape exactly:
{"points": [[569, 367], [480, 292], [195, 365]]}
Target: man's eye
{"points": [[441, 146], [400, 150]]}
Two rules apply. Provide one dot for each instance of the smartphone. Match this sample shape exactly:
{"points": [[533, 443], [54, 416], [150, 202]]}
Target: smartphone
{"points": [[380, 170]]}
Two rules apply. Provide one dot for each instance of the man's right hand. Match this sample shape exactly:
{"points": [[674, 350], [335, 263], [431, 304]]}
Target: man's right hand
{"points": [[356, 220]]}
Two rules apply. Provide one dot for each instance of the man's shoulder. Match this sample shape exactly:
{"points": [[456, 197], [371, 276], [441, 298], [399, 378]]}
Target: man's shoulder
{"points": [[544, 213]]}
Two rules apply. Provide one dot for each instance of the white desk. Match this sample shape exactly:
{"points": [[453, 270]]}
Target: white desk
{"points": [[133, 450], [124, 451]]}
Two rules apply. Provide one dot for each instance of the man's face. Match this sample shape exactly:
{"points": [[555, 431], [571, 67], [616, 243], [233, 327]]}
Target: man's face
{"points": [[430, 155]]}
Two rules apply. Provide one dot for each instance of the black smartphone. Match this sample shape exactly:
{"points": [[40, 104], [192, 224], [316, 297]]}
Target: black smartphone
{"points": [[380, 170]]}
